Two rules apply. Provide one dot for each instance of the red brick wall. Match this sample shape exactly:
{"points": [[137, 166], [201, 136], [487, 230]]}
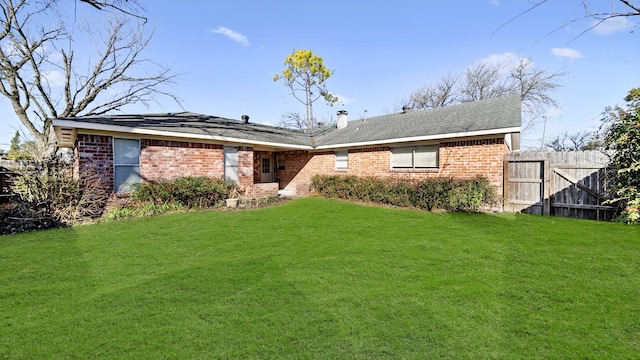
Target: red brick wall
{"points": [[162, 159], [475, 157], [245, 170], [300, 166], [460, 159], [168, 159], [265, 190], [257, 166], [95, 152]]}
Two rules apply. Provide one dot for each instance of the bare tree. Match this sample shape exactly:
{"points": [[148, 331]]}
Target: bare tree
{"points": [[442, 93], [129, 7], [43, 80], [484, 81], [534, 85], [571, 142], [488, 80], [292, 120]]}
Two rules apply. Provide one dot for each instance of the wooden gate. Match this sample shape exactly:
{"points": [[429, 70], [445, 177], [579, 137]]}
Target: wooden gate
{"points": [[568, 184]]}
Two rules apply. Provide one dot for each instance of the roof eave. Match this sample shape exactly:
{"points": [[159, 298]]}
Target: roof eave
{"points": [[60, 123]]}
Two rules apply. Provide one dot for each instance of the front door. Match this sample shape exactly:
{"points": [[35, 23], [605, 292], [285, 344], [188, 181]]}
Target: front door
{"points": [[267, 169]]}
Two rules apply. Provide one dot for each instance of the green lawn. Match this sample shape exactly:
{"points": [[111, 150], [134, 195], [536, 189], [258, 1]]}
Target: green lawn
{"points": [[314, 278]]}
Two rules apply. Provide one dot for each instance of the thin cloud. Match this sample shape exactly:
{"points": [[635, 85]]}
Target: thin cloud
{"points": [[566, 53], [554, 112], [504, 58], [233, 35], [495, 2], [343, 100], [612, 25], [54, 78], [507, 60]]}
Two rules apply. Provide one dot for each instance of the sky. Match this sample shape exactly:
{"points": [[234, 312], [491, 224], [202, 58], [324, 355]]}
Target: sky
{"points": [[226, 54]]}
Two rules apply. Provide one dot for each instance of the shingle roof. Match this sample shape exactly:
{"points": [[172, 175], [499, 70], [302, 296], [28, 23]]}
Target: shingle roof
{"points": [[490, 115], [484, 115], [198, 124]]}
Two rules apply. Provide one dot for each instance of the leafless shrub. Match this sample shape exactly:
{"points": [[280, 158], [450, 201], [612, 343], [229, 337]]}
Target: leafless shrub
{"points": [[49, 196]]}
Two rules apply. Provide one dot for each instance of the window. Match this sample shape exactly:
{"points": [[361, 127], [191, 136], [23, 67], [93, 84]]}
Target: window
{"points": [[231, 163], [126, 164], [280, 161], [266, 165], [414, 157], [342, 160]]}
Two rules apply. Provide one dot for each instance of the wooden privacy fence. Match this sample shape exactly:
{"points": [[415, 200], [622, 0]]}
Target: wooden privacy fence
{"points": [[568, 184]]}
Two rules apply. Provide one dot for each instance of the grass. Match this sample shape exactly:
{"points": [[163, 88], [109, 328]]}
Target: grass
{"points": [[315, 278]]}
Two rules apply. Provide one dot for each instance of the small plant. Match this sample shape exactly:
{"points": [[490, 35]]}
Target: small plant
{"points": [[233, 192]]}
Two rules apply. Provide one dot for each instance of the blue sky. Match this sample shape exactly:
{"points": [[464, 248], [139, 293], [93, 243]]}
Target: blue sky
{"points": [[228, 52]]}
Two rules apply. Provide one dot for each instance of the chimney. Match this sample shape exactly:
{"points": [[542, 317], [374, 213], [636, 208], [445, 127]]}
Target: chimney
{"points": [[342, 119], [245, 119]]}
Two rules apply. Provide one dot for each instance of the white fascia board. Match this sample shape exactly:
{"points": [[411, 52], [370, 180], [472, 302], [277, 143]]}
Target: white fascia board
{"points": [[137, 131], [423, 138]]}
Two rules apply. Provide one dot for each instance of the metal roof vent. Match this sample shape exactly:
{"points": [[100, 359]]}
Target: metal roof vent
{"points": [[245, 119], [405, 109]]}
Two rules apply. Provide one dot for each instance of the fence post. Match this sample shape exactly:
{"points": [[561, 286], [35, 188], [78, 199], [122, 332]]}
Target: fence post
{"points": [[546, 188], [505, 186]]}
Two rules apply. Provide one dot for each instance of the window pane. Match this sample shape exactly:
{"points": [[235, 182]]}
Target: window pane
{"points": [[126, 151], [426, 156], [231, 173], [342, 159], [266, 165], [231, 163], [402, 157], [230, 156], [125, 177]]}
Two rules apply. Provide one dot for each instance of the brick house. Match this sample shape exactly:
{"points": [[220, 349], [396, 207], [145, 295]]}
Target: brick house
{"points": [[461, 141]]}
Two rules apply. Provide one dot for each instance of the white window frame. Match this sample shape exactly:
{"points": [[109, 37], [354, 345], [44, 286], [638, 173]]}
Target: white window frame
{"points": [[126, 185], [417, 157], [342, 160]]}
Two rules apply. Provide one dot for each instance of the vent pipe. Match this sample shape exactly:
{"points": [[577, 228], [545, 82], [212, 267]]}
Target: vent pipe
{"points": [[245, 119], [405, 109], [342, 119]]}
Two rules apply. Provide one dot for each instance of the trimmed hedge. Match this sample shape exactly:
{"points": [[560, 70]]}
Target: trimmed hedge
{"points": [[188, 191], [442, 193]]}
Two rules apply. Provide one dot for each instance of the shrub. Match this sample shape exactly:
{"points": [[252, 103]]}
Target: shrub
{"points": [[142, 209], [190, 191], [434, 193], [622, 137], [47, 195], [631, 213], [471, 195]]}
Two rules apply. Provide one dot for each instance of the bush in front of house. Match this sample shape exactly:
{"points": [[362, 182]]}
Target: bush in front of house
{"points": [[47, 195], [442, 193], [188, 191]]}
